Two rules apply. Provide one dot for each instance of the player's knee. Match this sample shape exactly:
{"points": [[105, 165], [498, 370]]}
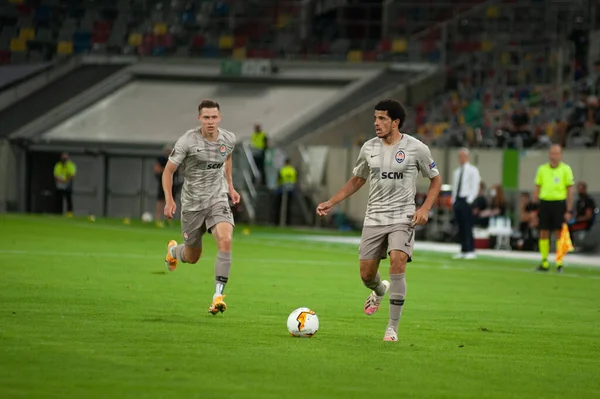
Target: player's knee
{"points": [[224, 244], [367, 275]]}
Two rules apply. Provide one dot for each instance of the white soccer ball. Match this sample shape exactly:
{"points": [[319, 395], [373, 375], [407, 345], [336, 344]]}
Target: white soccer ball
{"points": [[303, 322], [147, 217]]}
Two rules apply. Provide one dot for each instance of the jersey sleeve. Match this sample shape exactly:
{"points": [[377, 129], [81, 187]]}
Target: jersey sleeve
{"points": [[569, 179], [361, 168], [538, 177], [179, 151], [426, 163]]}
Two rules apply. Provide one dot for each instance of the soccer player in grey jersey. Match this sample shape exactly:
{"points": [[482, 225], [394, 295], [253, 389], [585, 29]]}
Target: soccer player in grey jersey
{"points": [[391, 162], [204, 154]]}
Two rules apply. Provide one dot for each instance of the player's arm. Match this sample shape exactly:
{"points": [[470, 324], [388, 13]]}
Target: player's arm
{"points": [[429, 170], [353, 185], [538, 184], [360, 172], [570, 190], [235, 197], [167, 181]]}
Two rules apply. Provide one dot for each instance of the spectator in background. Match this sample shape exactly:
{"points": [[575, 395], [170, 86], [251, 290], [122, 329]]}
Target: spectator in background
{"points": [[584, 209], [258, 144], [479, 206], [465, 188], [577, 119], [64, 173], [288, 177], [527, 224], [498, 204]]}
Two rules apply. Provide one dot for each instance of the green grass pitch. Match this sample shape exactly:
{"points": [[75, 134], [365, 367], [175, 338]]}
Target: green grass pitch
{"points": [[88, 310]]}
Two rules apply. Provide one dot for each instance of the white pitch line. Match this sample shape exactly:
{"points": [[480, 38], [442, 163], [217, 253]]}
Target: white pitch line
{"points": [[443, 266]]}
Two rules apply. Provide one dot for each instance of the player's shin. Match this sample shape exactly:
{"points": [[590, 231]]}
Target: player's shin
{"points": [[178, 252], [376, 285], [397, 295], [222, 268]]}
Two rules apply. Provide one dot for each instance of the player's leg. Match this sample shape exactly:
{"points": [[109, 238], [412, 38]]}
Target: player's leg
{"points": [[372, 249], [192, 226], [220, 222], [401, 244], [544, 217]]}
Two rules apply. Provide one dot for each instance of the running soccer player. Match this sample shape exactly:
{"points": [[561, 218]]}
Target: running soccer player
{"points": [[204, 154], [554, 190], [392, 162]]}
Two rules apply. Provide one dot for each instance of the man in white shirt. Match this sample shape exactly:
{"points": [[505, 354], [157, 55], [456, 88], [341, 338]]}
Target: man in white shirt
{"points": [[465, 188]]}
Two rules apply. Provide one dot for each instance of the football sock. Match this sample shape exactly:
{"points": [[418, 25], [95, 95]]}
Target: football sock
{"points": [[222, 267], [178, 251], [397, 295], [376, 285], [544, 245]]}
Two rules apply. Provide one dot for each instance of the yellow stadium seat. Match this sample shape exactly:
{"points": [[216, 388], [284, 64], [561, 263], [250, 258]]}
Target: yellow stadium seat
{"points": [[492, 12], [239, 53], [15, 1], [282, 21], [135, 39], [160, 29], [399, 46], [487, 45], [355, 56], [226, 42], [64, 47], [18, 45], [27, 34], [504, 58]]}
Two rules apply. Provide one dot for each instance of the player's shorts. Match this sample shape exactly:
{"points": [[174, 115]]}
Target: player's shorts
{"points": [[195, 223], [551, 215], [376, 242]]}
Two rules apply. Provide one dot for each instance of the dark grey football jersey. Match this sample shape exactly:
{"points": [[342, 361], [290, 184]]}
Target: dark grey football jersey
{"points": [[202, 164], [392, 172]]}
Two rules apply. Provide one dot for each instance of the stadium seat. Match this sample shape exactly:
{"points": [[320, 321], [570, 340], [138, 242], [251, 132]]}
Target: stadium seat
{"points": [[355, 56], [64, 48], [225, 42], [487, 45], [399, 46], [135, 39], [492, 12], [16, 1], [18, 45], [27, 34], [239, 53], [160, 28]]}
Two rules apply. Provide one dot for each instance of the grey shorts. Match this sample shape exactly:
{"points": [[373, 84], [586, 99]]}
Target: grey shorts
{"points": [[195, 223], [376, 242]]}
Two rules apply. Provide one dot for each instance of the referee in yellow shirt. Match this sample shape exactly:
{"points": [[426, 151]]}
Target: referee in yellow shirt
{"points": [[554, 190]]}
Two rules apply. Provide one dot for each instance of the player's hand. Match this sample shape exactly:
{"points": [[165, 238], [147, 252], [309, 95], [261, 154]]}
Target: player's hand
{"points": [[170, 208], [235, 196], [568, 216], [323, 208], [420, 217]]}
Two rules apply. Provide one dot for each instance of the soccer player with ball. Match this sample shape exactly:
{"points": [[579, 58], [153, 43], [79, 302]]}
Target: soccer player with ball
{"points": [[204, 155], [391, 162]]}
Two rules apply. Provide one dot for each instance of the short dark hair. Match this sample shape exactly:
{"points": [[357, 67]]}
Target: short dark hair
{"points": [[208, 104], [394, 108]]}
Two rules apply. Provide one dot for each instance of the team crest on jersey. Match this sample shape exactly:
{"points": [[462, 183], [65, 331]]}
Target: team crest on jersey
{"points": [[400, 156], [223, 150]]}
